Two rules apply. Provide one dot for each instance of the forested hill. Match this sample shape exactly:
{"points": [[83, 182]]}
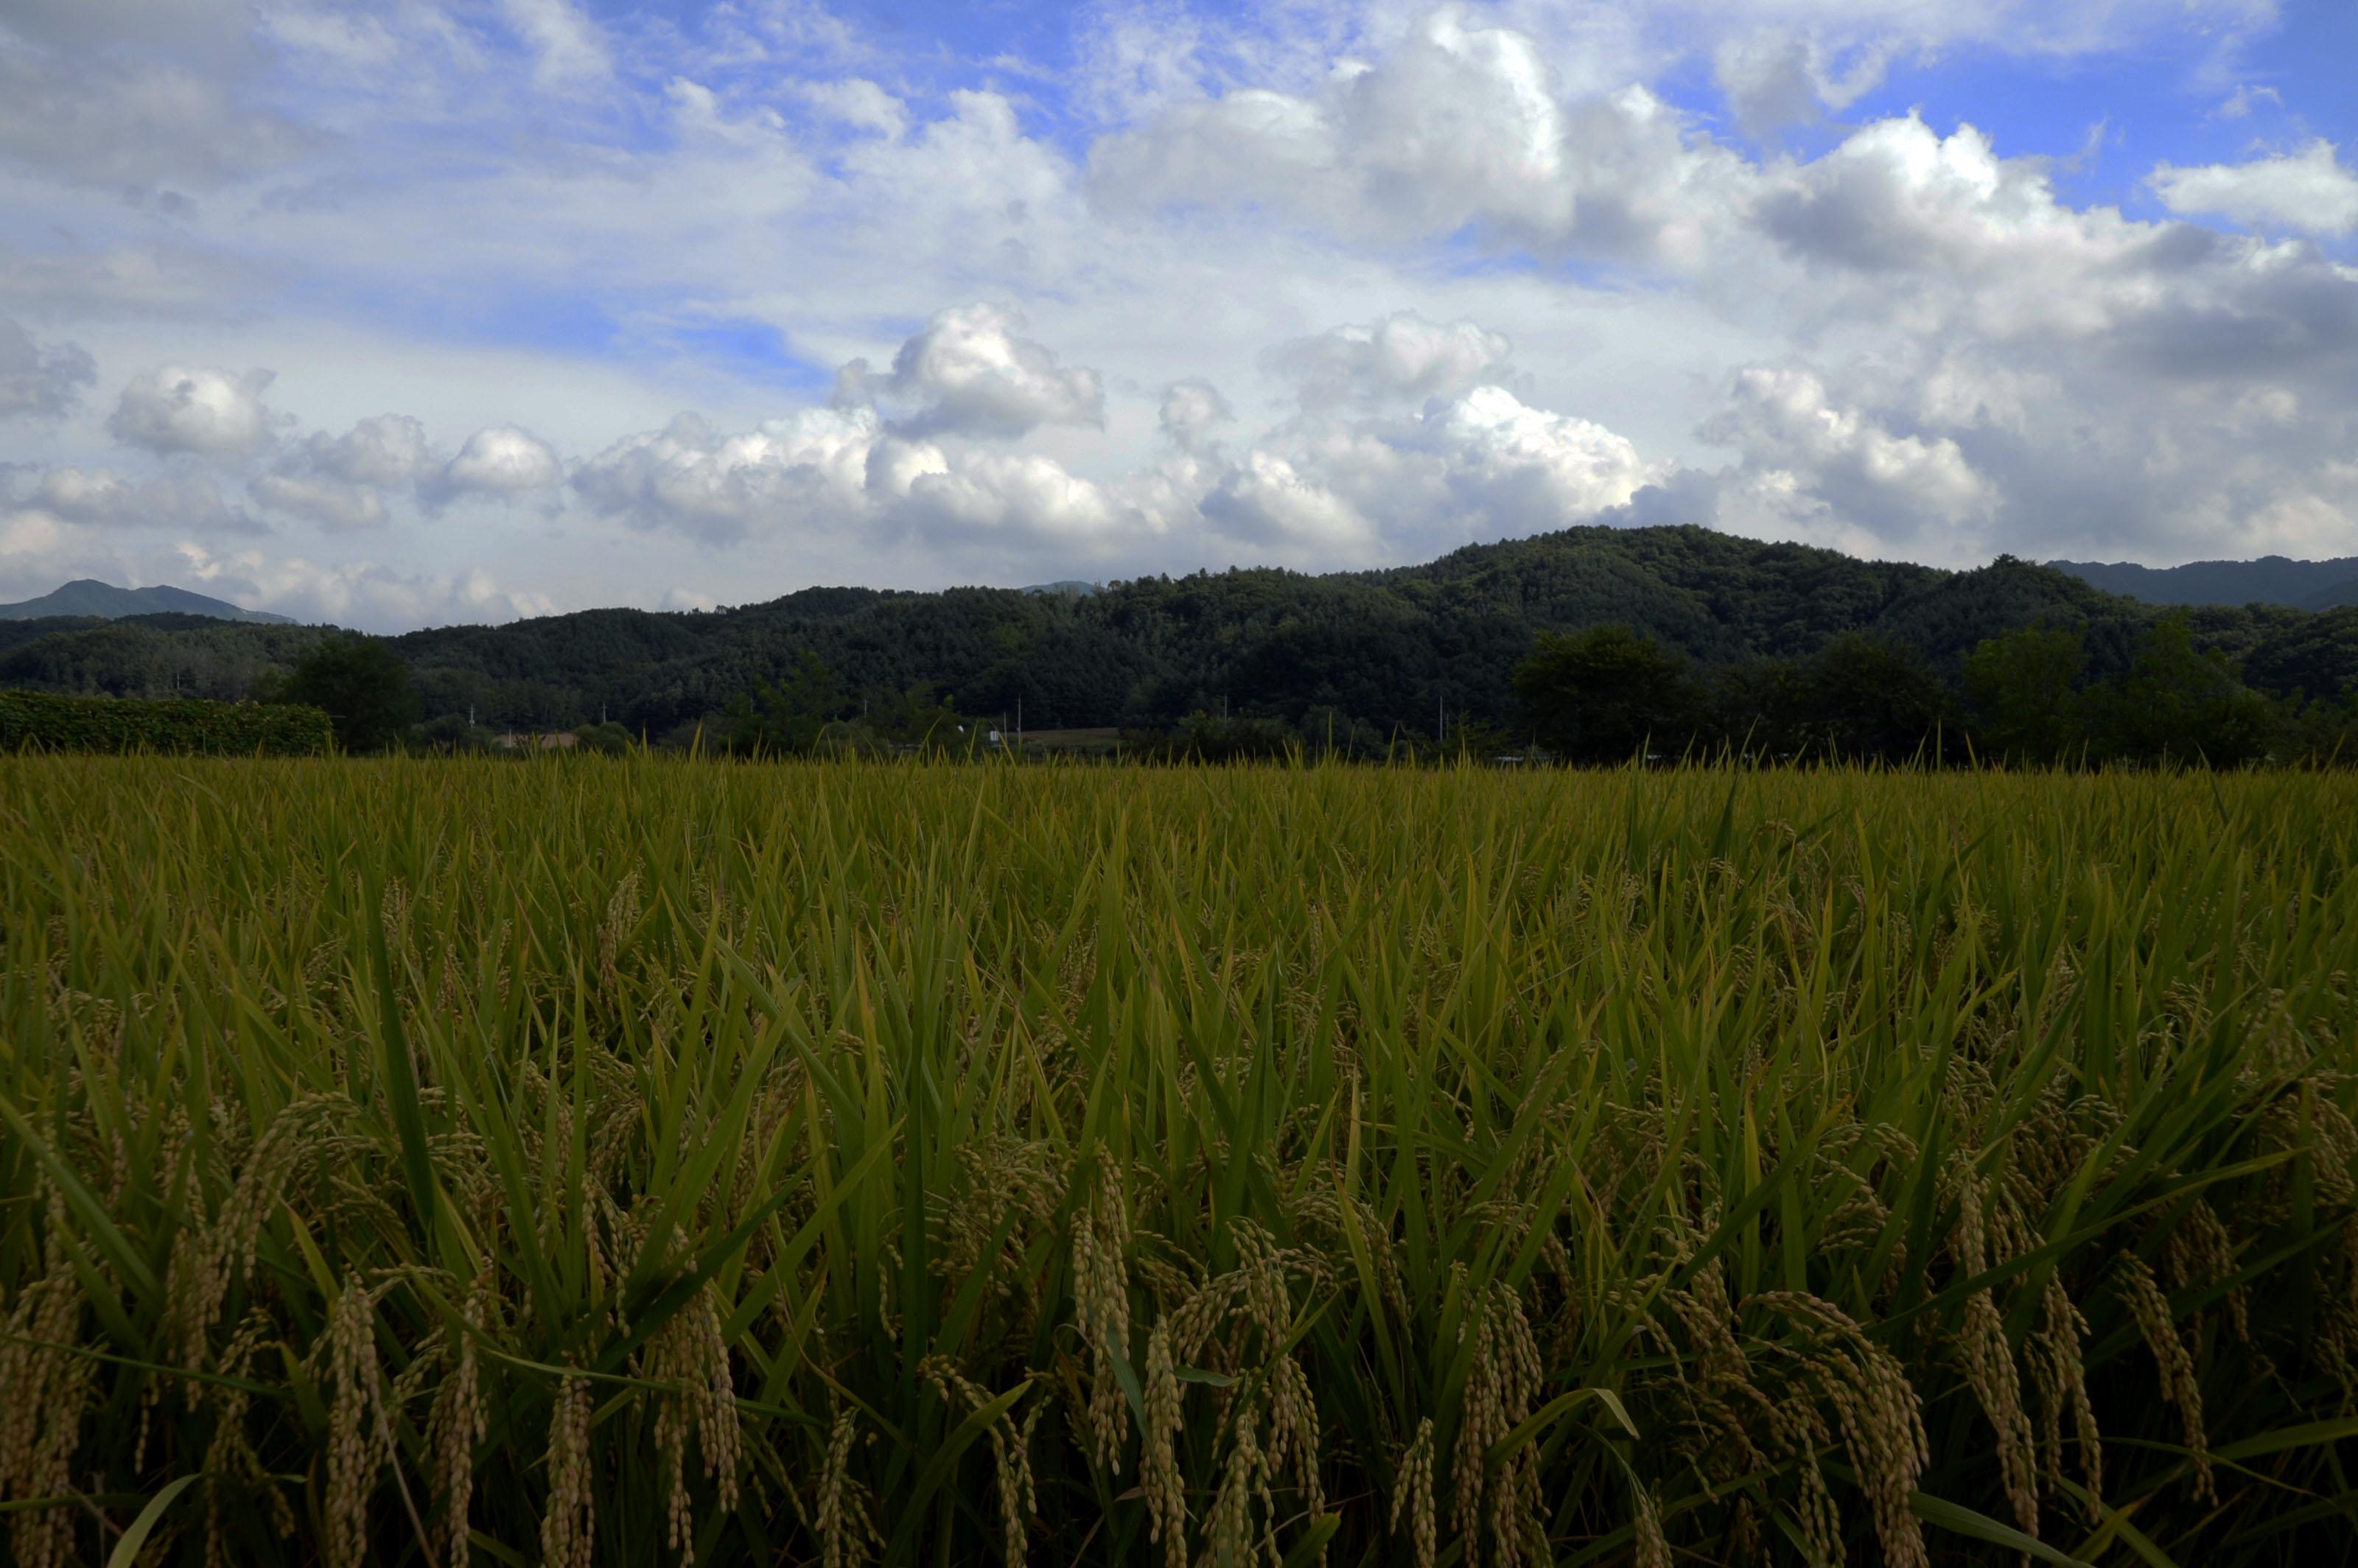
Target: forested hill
{"points": [[1381, 649]]}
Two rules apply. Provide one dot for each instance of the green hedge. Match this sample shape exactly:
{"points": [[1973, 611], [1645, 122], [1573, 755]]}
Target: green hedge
{"points": [[45, 721]]}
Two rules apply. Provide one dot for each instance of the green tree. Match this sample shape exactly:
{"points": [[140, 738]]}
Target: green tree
{"points": [[610, 737], [2023, 687], [365, 687], [1603, 695], [1865, 698], [917, 717], [789, 718], [2316, 733], [2182, 704]]}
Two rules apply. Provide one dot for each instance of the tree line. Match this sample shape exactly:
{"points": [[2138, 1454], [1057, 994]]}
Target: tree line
{"points": [[1602, 695], [1773, 650], [2025, 698]]}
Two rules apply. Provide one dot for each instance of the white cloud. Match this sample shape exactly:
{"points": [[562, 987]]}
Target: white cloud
{"points": [[1775, 77], [343, 482], [856, 102], [1269, 500], [329, 503], [2246, 97], [502, 462], [1191, 411], [386, 450], [1525, 469], [567, 46], [1457, 128], [364, 594], [1483, 465], [209, 412], [809, 469], [1458, 124], [41, 380], [1021, 494], [970, 371], [2309, 192], [1476, 463], [1893, 485], [102, 498], [1401, 358], [1991, 363]]}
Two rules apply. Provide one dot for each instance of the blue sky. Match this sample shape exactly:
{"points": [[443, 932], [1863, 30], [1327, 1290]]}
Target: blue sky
{"points": [[426, 311]]}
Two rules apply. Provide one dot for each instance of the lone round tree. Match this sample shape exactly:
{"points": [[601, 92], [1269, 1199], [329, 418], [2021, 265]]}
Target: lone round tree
{"points": [[364, 687]]}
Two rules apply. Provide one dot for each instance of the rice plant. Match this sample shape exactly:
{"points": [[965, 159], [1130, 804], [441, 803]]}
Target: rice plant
{"points": [[643, 1162]]}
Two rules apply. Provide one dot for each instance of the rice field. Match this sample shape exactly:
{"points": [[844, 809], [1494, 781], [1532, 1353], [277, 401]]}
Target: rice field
{"points": [[632, 1160]]}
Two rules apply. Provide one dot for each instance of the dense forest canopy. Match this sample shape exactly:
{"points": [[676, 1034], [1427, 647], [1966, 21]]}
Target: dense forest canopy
{"points": [[1373, 653]]}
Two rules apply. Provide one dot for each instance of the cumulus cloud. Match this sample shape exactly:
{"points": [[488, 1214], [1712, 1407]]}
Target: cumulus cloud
{"points": [[1357, 477], [1483, 465], [386, 450], [1457, 124], [1456, 128], [1401, 358], [1894, 485], [1020, 493], [2309, 192], [500, 463], [209, 412], [1525, 469], [364, 594], [858, 103], [327, 501], [1191, 411], [970, 371], [42, 380], [1280, 503], [1774, 78], [808, 467], [831, 471], [342, 482]]}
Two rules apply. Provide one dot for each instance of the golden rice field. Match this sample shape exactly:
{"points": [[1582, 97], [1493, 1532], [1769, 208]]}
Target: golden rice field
{"points": [[644, 1161]]}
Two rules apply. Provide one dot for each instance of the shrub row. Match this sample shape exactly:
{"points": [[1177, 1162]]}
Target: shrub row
{"points": [[45, 721]]}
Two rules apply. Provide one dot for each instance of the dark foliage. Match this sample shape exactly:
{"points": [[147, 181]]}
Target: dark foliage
{"points": [[45, 721], [1364, 662], [363, 685], [1607, 694]]}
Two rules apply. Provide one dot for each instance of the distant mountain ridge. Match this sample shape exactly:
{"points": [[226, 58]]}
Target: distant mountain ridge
{"points": [[2271, 580], [89, 597]]}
